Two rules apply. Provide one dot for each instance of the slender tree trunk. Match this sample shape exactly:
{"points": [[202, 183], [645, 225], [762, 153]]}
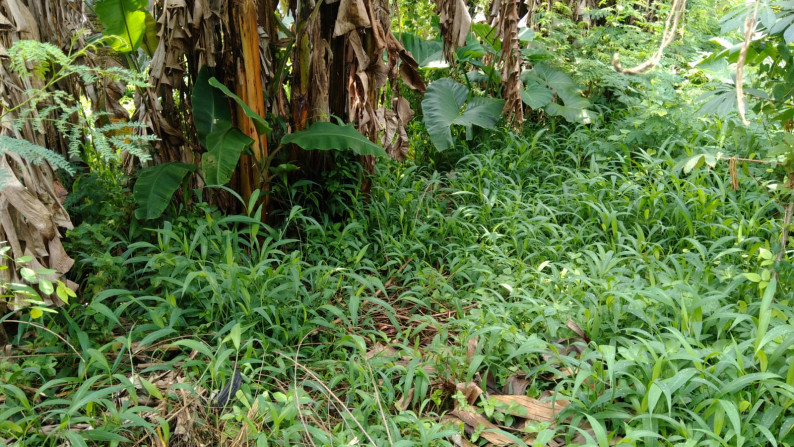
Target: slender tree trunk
{"points": [[249, 88]]}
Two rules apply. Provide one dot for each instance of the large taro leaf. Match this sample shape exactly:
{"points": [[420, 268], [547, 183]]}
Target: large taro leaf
{"points": [[536, 95], [428, 53], [156, 185], [542, 81], [210, 107], [443, 107], [554, 79], [262, 127], [128, 24], [328, 136], [571, 114], [224, 147]]}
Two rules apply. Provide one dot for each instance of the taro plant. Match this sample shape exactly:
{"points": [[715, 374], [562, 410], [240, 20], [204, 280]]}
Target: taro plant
{"points": [[543, 84], [448, 103]]}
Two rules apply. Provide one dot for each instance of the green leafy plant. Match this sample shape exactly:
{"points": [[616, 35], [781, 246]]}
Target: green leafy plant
{"points": [[542, 84], [23, 295], [443, 107]]}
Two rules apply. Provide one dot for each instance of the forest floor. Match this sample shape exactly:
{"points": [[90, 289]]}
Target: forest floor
{"points": [[532, 295]]}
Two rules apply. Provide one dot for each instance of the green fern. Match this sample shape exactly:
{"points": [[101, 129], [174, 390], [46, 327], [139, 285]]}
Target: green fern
{"points": [[47, 106], [33, 153]]}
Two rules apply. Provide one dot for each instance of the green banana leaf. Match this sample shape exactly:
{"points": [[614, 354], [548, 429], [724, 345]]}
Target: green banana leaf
{"points": [[328, 136], [156, 185]]}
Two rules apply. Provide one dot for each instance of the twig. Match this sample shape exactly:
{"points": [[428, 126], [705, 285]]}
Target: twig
{"points": [[749, 28], [331, 395], [295, 386], [51, 332], [671, 24], [749, 160]]}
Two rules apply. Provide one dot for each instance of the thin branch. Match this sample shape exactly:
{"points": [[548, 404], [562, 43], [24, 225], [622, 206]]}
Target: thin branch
{"points": [[749, 28], [330, 394], [51, 332], [670, 27]]}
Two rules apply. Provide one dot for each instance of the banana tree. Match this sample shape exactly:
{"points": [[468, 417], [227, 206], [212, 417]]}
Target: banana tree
{"points": [[330, 60]]}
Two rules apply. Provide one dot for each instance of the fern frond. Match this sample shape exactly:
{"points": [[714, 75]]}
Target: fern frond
{"points": [[33, 153]]}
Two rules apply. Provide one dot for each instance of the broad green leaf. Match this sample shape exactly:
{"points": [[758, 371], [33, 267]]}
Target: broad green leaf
{"points": [[155, 336], [554, 79], [743, 381], [262, 127], [487, 33], [103, 435], [427, 53], [150, 37], [542, 80], [526, 34], [75, 439], [599, 430], [573, 98], [124, 22], [536, 95], [64, 293], [328, 136], [156, 185], [472, 52], [151, 389], [224, 149], [236, 335], [482, 112], [694, 163], [46, 287], [210, 107], [722, 101], [27, 274], [442, 106], [571, 114]]}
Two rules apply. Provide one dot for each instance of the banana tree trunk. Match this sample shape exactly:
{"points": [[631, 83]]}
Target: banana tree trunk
{"points": [[249, 88]]}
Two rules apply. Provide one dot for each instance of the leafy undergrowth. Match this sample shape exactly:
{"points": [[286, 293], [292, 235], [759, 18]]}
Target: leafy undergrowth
{"points": [[531, 296]]}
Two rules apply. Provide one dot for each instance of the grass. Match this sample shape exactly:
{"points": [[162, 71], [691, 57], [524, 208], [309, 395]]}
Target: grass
{"points": [[368, 329]]}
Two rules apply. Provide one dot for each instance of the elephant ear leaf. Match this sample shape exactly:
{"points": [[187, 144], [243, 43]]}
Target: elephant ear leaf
{"points": [[443, 107], [328, 136], [223, 152], [536, 95], [156, 185]]}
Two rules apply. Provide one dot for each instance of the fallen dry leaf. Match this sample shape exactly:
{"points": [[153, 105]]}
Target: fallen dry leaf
{"points": [[473, 420], [470, 390], [529, 408]]}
